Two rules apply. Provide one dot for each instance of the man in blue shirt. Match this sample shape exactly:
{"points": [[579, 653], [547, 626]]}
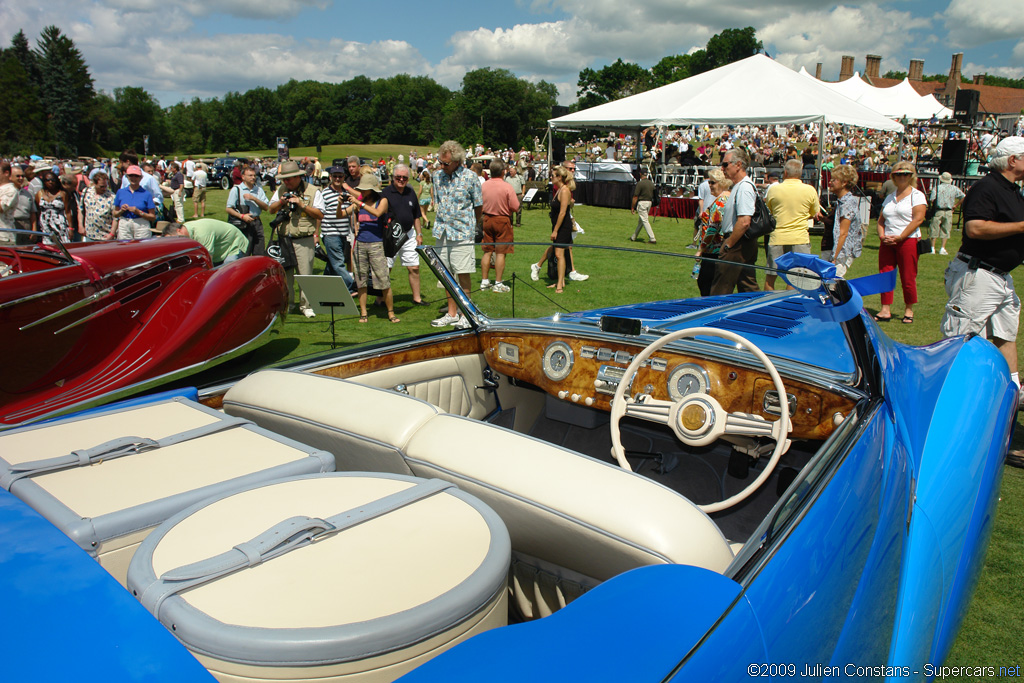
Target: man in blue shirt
{"points": [[149, 182], [459, 210], [134, 208]]}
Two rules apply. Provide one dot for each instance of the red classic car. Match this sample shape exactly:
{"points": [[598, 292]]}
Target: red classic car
{"points": [[81, 320]]}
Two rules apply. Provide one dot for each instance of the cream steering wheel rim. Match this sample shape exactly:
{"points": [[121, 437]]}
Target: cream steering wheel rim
{"points": [[716, 420]]}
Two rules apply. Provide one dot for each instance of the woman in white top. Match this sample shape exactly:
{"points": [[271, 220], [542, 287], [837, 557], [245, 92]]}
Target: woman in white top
{"points": [[902, 214]]}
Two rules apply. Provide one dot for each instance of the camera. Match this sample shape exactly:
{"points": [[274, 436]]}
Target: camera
{"points": [[284, 214]]}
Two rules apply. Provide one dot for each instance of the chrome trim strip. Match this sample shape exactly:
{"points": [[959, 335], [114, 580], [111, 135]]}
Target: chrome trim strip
{"points": [[68, 309], [39, 295], [150, 263]]}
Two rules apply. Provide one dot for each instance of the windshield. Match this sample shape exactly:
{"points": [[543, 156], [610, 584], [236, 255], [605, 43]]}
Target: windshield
{"points": [[658, 289]]}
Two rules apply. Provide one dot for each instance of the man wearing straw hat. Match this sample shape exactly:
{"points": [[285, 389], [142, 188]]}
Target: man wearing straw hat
{"points": [[307, 212], [945, 197]]}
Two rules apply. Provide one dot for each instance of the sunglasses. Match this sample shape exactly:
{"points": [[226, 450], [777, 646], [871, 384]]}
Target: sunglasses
{"points": [[726, 164], [401, 177], [906, 173]]}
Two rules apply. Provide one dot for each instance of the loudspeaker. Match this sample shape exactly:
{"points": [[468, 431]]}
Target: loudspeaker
{"points": [[557, 149], [965, 107], [954, 155], [558, 110]]}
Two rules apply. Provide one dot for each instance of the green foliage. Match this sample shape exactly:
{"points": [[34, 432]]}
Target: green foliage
{"points": [[502, 108], [65, 88], [22, 123], [731, 45], [895, 75], [1004, 82], [612, 82]]}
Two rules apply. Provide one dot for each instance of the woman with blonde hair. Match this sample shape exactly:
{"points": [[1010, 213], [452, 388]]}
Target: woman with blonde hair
{"points": [[710, 239], [847, 231], [902, 214], [561, 218]]}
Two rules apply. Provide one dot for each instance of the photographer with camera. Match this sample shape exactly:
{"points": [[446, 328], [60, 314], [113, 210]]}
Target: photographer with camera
{"points": [[297, 202], [245, 202]]}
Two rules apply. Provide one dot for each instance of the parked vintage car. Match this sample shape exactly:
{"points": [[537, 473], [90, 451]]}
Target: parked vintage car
{"points": [[83, 320], [785, 494]]}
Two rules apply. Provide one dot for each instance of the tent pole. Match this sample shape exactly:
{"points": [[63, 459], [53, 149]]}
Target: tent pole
{"points": [[550, 139], [821, 154], [661, 135]]}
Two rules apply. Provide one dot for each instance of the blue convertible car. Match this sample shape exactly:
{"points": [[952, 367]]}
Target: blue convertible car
{"points": [[716, 489]]}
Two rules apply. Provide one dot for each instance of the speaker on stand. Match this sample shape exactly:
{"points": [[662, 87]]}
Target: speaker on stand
{"points": [[954, 156], [965, 107], [557, 140]]}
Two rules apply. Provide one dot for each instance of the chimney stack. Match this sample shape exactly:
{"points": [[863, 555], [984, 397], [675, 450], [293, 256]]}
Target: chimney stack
{"points": [[916, 72], [979, 79], [872, 67], [846, 71], [953, 83], [817, 71]]}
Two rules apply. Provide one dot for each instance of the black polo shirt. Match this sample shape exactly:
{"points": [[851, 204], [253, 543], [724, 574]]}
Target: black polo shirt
{"points": [[404, 206], [994, 198]]}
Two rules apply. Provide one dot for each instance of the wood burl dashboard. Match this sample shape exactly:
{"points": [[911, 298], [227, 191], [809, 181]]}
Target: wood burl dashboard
{"points": [[586, 372]]}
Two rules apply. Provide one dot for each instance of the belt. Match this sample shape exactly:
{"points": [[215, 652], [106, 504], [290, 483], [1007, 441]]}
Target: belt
{"points": [[973, 263]]}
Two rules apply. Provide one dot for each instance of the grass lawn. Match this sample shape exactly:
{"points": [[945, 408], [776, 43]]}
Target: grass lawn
{"points": [[992, 633], [330, 152]]}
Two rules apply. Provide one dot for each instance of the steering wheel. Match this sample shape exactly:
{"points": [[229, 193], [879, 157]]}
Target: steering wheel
{"points": [[699, 419], [16, 266]]}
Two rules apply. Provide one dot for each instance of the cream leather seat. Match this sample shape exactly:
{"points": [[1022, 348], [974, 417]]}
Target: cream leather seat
{"points": [[574, 521], [368, 427]]}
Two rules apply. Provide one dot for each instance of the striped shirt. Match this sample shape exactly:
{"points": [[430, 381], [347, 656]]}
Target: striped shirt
{"points": [[331, 225]]}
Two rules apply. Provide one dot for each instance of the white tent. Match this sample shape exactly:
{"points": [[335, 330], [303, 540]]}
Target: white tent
{"points": [[755, 90], [896, 102]]}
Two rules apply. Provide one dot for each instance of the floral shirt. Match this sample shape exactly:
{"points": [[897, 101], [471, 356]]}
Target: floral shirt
{"points": [[99, 214], [456, 199], [712, 237], [849, 207]]}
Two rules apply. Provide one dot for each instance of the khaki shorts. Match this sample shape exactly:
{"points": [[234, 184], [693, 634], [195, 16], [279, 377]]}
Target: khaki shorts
{"points": [[371, 265], [980, 302], [942, 224], [199, 194], [459, 257], [498, 229], [774, 251]]}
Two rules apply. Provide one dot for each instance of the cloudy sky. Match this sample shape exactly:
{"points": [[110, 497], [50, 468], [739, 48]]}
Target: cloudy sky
{"points": [[202, 48]]}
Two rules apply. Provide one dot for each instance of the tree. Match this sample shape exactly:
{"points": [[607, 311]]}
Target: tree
{"points": [[670, 69], [139, 114], [731, 45], [65, 87], [500, 108], [22, 124], [612, 82]]}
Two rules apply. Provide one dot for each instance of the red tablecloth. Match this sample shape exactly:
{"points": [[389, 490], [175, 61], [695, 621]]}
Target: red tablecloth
{"points": [[676, 207]]}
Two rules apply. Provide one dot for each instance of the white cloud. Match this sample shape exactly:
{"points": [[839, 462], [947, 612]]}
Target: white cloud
{"points": [[971, 22], [825, 36]]}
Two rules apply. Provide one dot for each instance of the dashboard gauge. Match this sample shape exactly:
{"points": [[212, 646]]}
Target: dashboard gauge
{"points": [[557, 361], [687, 379]]}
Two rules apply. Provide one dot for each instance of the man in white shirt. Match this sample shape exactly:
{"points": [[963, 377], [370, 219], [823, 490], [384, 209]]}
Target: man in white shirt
{"points": [[199, 182]]}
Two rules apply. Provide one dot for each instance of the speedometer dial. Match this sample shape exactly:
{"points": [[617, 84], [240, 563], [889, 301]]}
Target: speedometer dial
{"points": [[687, 379], [557, 361]]}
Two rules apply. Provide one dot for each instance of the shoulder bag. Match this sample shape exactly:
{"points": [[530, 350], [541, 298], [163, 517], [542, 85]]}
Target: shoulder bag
{"points": [[762, 222]]}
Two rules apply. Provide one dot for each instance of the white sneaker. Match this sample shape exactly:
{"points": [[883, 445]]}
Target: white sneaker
{"points": [[461, 323], [943, 252], [485, 284], [933, 250], [445, 320], [308, 312], [578, 277], [534, 272], [500, 288]]}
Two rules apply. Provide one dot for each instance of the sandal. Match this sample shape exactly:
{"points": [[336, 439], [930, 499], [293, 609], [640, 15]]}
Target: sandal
{"points": [[393, 318], [883, 318], [363, 319], [907, 319], [421, 302]]}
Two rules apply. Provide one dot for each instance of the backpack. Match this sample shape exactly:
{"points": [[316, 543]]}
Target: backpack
{"points": [[395, 237], [762, 222]]}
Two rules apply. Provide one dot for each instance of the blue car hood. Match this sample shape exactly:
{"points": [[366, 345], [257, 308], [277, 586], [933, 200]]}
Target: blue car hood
{"points": [[778, 323]]}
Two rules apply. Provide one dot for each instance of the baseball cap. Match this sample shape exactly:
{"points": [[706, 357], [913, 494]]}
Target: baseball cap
{"points": [[134, 170], [1011, 146]]}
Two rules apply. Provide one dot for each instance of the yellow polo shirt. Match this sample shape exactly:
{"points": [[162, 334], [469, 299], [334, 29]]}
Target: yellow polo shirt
{"points": [[794, 205]]}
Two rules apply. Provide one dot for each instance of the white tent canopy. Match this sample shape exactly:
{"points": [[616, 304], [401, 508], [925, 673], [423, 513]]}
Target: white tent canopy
{"points": [[756, 90], [896, 102]]}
